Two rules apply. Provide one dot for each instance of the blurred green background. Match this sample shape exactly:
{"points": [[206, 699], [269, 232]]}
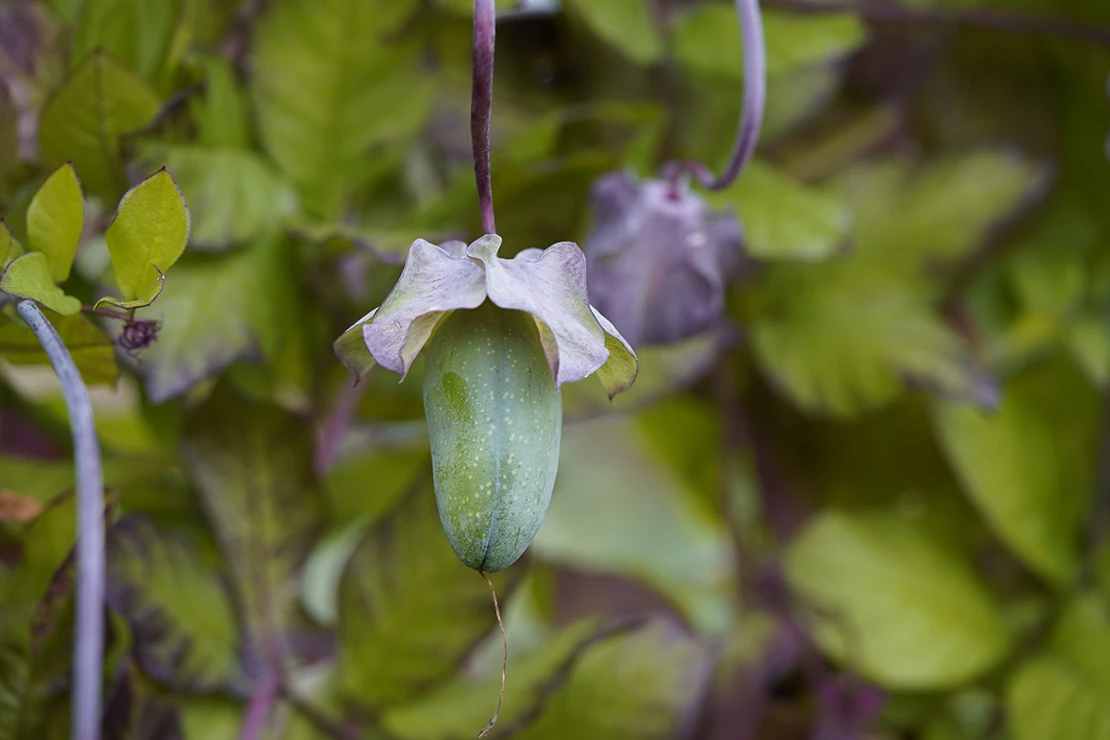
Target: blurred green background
{"points": [[876, 506]]}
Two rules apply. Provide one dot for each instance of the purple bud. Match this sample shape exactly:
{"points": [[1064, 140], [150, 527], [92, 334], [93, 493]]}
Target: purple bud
{"points": [[658, 258]]}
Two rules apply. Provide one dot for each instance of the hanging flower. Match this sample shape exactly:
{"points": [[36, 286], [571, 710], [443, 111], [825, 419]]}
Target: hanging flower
{"points": [[659, 258], [501, 336]]}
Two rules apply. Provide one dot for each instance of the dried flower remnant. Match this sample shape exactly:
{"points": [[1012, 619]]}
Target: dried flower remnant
{"points": [[138, 334]]}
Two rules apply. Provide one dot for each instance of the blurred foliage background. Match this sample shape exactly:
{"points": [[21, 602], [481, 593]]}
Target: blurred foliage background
{"points": [[872, 503]]}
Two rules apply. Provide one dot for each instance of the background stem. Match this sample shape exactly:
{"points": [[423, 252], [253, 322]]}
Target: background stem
{"points": [[89, 632], [481, 104], [260, 707], [751, 114]]}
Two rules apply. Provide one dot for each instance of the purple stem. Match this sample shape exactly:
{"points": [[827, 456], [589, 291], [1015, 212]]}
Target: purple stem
{"points": [[335, 425], [755, 98], [481, 104], [260, 707], [88, 653]]}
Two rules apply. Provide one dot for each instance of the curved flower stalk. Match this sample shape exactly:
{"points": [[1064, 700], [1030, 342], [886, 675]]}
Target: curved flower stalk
{"points": [[548, 284]]}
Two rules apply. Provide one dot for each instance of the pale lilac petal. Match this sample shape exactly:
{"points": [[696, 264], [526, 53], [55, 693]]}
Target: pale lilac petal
{"points": [[618, 374], [432, 283], [455, 247], [551, 287]]}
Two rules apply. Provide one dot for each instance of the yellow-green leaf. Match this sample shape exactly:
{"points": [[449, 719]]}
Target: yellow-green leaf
{"points": [[85, 118], [626, 24], [147, 236], [93, 351], [29, 277], [894, 602], [10, 248], [156, 582], [6, 240], [1028, 466], [55, 220], [350, 55]]}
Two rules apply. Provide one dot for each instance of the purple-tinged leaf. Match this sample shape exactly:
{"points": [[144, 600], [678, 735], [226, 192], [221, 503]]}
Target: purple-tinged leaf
{"points": [[156, 583], [408, 612], [252, 466]]}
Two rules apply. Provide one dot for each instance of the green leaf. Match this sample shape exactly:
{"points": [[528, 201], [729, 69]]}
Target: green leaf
{"points": [[707, 40], [211, 719], [55, 220], [9, 245], [1048, 699], [185, 633], [147, 236], [83, 122], [1028, 466], [664, 369], [47, 544], [642, 685], [1088, 338], [1061, 693], [409, 612], [626, 24], [39, 480], [784, 219], [136, 33], [893, 603], [29, 277], [233, 194], [252, 465], [365, 93], [36, 624], [644, 522], [940, 211], [216, 311], [93, 351], [844, 336], [456, 709], [7, 241], [223, 119]]}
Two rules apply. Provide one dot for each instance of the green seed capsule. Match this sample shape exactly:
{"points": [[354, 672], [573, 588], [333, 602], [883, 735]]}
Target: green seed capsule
{"points": [[495, 423]]}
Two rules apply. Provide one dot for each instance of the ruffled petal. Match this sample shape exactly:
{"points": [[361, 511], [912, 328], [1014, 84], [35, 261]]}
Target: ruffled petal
{"points": [[432, 283], [551, 286]]}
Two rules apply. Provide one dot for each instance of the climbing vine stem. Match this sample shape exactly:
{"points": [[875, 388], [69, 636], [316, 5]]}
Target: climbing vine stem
{"points": [[89, 629]]}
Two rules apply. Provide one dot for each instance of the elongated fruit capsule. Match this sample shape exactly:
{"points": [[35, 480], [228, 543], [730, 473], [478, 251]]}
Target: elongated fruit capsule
{"points": [[495, 423]]}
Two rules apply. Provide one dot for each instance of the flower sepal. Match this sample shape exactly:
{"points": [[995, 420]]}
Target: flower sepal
{"points": [[548, 284]]}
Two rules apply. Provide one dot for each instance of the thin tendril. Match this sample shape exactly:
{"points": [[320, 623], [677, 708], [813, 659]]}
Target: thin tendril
{"points": [[88, 653], [481, 104], [504, 658], [751, 115]]}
